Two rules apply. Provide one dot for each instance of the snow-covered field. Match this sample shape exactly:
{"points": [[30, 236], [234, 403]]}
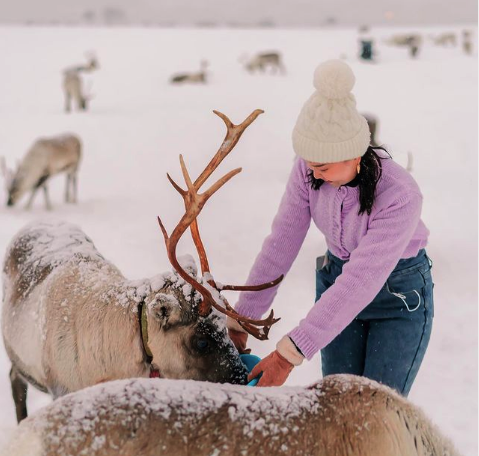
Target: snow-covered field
{"points": [[138, 124]]}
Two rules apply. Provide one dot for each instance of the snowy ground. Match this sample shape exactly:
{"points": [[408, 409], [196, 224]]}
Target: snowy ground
{"points": [[138, 124]]}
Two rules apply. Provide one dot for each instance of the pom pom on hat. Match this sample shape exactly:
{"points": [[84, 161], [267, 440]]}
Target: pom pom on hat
{"points": [[334, 79]]}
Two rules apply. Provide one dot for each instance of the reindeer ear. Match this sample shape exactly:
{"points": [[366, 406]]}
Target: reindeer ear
{"points": [[165, 308]]}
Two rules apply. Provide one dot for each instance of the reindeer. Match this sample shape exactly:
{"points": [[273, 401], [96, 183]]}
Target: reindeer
{"points": [[46, 158], [71, 319], [73, 84], [372, 124], [199, 77], [404, 39], [444, 39], [342, 415], [263, 60], [467, 42], [91, 65], [73, 89]]}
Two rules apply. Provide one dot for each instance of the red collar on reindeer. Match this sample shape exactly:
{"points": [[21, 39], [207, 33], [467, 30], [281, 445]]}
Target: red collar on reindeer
{"points": [[147, 355]]}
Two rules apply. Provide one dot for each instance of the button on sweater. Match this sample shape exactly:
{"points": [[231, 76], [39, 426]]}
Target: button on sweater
{"points": [[372, 245]]}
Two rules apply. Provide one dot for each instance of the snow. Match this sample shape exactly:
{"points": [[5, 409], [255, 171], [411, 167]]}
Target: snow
{"points": [[139, 124], [91, 417], [182, 401]]}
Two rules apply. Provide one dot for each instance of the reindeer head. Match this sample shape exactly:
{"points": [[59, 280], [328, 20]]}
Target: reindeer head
{"points": [[92, 61], [14, 184], [7, 173], [185, 345]]}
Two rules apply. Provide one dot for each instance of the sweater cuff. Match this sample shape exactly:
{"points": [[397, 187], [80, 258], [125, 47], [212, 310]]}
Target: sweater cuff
{"points": [[307, 346], [287, 350]]}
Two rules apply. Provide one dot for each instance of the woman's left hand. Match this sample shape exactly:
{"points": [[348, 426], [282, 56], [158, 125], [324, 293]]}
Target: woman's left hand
{"points": [[275, 369]]}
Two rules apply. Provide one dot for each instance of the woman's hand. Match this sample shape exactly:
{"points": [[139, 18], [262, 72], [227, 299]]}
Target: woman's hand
{"points": [[277, 366], [275, 370]]}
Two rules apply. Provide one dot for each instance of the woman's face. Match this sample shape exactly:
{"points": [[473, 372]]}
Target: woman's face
{"points": [[335, 174]]}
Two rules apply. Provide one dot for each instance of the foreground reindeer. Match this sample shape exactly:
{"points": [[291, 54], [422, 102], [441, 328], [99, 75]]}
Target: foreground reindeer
{"points": [[46, 158], [73, 85], [71, 319], [342, 415], [198, 77], [266, 60]]}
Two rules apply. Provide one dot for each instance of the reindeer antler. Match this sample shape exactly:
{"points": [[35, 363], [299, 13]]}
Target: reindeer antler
{"points": [[194, 202]]}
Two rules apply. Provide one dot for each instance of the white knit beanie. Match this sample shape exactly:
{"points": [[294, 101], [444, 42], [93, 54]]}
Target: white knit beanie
{"points": [[329, 129]]}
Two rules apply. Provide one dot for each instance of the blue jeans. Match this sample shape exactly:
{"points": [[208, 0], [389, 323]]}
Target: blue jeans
{"points": [[388, 339]]}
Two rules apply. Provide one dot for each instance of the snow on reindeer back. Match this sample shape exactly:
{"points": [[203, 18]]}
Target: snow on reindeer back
{"points": [[52, 242], [85, 420], [45, 245]]}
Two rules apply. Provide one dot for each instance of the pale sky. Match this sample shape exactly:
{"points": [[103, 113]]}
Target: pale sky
{"points": [[295, 13]]}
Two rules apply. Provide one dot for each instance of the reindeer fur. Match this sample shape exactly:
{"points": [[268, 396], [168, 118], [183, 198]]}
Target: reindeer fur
{"points": [[342, 415]]}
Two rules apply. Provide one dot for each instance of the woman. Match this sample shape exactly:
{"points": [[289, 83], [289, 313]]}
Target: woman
{"points": [[374, 304]]}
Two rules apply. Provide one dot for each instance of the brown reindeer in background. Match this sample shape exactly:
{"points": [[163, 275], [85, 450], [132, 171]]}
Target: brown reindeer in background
{"points": [[194, 77], [71, 319], [445, 39], [262, 61], [467, 42], [46, 158]]}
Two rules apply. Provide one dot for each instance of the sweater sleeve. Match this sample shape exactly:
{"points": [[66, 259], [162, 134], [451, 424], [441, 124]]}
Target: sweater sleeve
{"points": [[362, 277], [281, 247]]}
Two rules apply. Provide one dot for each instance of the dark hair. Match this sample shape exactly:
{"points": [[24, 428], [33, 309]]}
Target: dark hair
{"points": [[371, 170]]}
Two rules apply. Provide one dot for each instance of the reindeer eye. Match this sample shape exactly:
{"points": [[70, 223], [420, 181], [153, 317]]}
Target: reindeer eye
{"points": [[202, 344]]}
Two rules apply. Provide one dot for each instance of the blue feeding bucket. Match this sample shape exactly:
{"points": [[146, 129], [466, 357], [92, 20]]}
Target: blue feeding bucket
{"points": [[250, 361]]}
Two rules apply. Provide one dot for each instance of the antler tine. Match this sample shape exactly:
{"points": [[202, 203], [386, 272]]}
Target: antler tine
{"points": [[233, 134], [262, 286], [251, 326]]}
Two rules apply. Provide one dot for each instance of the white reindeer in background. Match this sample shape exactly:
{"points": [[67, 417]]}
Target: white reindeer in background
{"points": [[73, 84], [341, 415], [71, 319], [194, 77], [46, 158]]}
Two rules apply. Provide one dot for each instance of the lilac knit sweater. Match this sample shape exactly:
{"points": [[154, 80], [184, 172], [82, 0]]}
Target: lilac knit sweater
{"points": [[373, 244]]}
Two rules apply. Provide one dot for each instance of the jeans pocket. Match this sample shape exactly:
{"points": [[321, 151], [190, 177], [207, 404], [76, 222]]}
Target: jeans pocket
{"points": [[323, 280], [409, 287]]}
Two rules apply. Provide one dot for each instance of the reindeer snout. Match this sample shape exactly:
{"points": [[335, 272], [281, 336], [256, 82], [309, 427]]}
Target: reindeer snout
{"points": [[10, 201], [240, 375]]}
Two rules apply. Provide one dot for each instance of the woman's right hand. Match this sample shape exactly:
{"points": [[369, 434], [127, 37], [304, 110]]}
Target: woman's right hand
{"points": [[239, 339]]}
